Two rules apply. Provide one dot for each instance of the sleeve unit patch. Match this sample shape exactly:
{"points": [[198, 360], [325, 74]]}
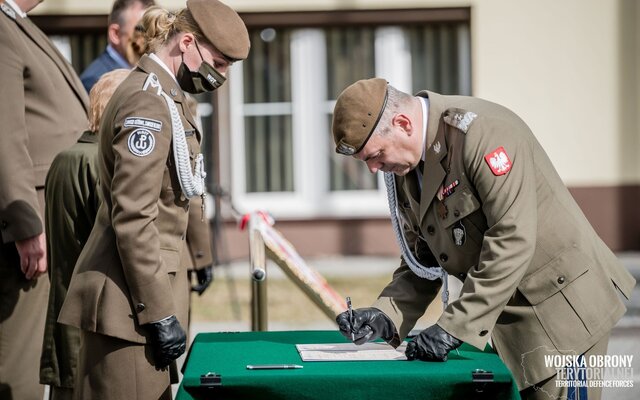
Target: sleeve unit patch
{"points": [[498, 161], [141, 142], [139, 122]]}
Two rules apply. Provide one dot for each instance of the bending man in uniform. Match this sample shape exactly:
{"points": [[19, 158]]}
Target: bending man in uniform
{"points": [[475, 196], [129, 289]]}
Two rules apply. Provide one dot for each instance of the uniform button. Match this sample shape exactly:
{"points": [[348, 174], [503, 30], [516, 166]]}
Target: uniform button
{"points": [[484, 332], [199, 254], [561, 280], [139, 307], [431, 230], [462, 276], [444, 257], [456, 213], [4, 224]]}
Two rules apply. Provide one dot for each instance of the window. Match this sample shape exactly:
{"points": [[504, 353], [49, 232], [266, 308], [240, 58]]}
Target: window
{"points": [[282, 151]]}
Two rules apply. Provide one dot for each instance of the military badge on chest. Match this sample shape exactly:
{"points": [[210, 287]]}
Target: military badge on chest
{"points": [[444, 192], [459, 233]]}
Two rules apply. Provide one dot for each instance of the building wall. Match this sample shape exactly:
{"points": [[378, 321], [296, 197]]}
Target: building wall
{"points": [[569, 68]]}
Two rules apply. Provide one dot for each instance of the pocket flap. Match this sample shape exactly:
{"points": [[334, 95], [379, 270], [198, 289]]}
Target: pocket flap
{"points": [[460, 204], [171, 259], [554, 276]]}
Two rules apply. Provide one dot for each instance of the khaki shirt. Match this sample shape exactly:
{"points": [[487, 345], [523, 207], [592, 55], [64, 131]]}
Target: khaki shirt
{"points": [[129, 273], [534, 271]]}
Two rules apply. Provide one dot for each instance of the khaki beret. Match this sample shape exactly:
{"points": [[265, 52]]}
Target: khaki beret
{"points": [[222, 26], [356, 114]]}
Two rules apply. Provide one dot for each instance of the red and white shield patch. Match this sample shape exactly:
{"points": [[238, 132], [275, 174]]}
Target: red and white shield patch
{"points": [[498, 161]]}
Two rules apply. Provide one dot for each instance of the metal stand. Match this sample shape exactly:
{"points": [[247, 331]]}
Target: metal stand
{"points": [[258, 265]]}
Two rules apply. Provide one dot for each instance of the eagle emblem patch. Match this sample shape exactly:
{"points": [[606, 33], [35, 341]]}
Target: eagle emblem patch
{"points": [[498, 161]]}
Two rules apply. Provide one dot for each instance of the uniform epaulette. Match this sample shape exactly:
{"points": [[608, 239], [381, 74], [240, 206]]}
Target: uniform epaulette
{"points": [[152, 82], [459, 118]]}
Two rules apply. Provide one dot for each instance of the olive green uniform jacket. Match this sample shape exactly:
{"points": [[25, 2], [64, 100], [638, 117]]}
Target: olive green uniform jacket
{"points": [[43, 111], [537, 279], [129, 273], [72, 199]]}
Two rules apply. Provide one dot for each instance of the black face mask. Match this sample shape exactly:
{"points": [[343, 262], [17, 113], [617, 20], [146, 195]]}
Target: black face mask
{"points": [[205, 79]]}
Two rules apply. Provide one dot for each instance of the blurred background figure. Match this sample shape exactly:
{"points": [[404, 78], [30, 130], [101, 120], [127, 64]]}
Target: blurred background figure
{"points": [[123, 41], [72, 199], [44, 111]]}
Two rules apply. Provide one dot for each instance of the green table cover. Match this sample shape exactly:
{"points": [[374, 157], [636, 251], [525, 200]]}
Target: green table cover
{"points": [[227, 354]]}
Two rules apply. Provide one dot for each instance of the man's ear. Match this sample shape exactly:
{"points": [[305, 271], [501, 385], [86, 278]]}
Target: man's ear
{"points": [[113, 31], [402, 121]]}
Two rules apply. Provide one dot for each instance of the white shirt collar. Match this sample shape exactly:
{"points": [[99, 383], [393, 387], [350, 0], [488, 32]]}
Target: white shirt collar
{"points": [[15, 7], [157, 59], [425, 117]]}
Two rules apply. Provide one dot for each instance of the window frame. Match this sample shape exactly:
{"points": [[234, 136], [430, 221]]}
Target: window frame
{"points": [[311, 197]]}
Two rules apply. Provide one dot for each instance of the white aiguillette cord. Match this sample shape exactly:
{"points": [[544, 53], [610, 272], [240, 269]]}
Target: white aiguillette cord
{"points": [[192, 185], [431, 273]]}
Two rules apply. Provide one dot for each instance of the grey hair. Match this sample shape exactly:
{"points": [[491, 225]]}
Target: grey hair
{"points": [[396, 99]]}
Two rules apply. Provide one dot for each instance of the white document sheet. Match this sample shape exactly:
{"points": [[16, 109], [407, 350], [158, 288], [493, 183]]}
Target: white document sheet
{"points": [[377, 351]]}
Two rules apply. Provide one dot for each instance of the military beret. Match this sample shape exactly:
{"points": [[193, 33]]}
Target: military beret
{"points": [[356, 114], [222, 26]]}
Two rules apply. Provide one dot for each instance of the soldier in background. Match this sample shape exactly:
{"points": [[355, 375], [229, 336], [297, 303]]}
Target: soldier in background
{"points": [[72, 198], [44, 112], [476, 197]]}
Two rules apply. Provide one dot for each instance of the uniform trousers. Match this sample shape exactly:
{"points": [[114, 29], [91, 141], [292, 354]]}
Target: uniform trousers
{"points": [[23, 308], [116, 369], [547, 389]]}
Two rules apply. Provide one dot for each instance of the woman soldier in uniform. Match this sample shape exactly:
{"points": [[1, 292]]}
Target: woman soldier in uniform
{"points": [[127, 289]]}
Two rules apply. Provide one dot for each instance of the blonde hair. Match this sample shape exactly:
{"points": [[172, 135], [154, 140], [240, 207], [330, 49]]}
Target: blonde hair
{"points": [[100, 94], [160, 26]]}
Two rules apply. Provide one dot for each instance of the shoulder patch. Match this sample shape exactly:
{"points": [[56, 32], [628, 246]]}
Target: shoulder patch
{"points": [[460, 119], [140, 122], [141, 142], [498, 161]]}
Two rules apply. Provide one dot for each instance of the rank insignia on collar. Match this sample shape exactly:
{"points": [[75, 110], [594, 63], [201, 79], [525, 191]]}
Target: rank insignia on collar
{"points": [[437, 148], [498, 161]]}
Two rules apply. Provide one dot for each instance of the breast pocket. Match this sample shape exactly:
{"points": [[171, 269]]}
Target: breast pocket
{"points": [[463, 220]]}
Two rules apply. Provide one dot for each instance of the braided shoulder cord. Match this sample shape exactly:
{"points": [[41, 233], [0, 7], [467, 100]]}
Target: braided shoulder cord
{"points": [[431, 273]]}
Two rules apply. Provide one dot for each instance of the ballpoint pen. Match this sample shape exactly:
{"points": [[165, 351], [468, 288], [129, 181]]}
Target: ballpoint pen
{"points": [[275, 366], [350, 310]]}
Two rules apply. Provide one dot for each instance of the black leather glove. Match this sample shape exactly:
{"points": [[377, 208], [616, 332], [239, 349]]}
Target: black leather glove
{"points": [[205, 277], [368, 324], [168, 340], [432, 344]]}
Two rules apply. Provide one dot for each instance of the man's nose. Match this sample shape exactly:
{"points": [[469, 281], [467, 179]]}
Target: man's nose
{"points": [[373, 166]]}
